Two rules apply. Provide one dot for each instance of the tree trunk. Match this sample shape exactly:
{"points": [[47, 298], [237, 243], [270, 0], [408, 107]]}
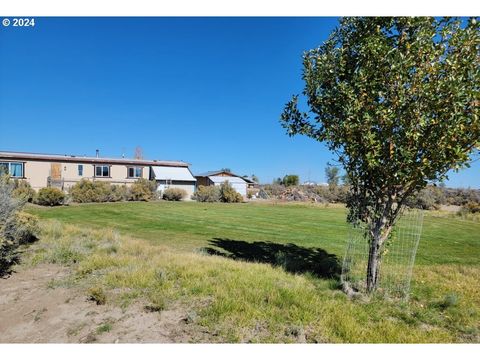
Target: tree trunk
{"points": [[378, 237], [373, 267]]}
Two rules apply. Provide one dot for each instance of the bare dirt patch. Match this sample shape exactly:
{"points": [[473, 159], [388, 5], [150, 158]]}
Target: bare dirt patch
{"points": [[32, 311]]}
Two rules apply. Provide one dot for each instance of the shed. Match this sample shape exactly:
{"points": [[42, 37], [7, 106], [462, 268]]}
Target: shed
{"points": [[174, 177], [216, 178]]}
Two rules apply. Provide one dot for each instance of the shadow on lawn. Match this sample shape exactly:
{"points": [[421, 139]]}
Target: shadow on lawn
{"points": [[294, 259]]}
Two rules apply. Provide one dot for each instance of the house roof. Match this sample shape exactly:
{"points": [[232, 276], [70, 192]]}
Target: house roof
{"points": [[230, 179], [12, 155], [249, 180], [216, 172], [172, 173]]}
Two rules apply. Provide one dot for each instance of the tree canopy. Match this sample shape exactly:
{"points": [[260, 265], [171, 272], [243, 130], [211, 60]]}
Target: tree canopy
{"points": [[332, 175], [397, 100], [290, 180]]}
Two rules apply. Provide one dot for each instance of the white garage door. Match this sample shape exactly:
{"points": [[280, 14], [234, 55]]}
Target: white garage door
{"points": [[240, 188], [237, 183]]}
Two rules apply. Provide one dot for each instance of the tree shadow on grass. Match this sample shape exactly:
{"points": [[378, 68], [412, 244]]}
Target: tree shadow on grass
{"points": [[292, 258]]}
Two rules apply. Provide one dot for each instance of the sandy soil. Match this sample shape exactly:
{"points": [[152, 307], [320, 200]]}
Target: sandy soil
{"points": [[33, 312]]}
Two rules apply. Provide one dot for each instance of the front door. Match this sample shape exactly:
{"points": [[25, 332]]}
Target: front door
{"points": [[56, 171]]}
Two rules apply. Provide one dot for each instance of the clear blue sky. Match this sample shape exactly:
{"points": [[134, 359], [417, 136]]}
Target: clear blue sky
{"points": [[208, 91]]}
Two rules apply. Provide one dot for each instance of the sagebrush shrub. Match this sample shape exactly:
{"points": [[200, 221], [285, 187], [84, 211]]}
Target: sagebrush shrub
{"points": [[228, 194], [330, 194], [23, 189], [174, 194], [86, 191], [97, 295], [143, 190], [16, 227], [49, 197], [471, 207], [118, 193], [23, 228], [207, 194], [429, 198]]}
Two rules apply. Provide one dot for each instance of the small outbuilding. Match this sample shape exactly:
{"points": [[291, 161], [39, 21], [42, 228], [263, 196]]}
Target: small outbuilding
{"points": [[216, 178], [174, 177], [251, 184]]}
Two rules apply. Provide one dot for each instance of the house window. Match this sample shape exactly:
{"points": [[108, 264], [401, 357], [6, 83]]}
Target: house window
{"points": [[102, 171], [80, 170], [14, 169], [135, 172]]}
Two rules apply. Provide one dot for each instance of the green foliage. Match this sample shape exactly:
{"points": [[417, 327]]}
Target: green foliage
{"points": [[97, 295], [143, 190], [228, 194], [397, 100], [174, 194], [471, 207], [332, 175], [24, 229], [461, 197], [86, 191], [450, 300], [118, 193], [345, 179], [290, 180], [23, 189], [104, 328], [49, 196], [336, 194], [16, 227], [207, 194], [159, 268]]}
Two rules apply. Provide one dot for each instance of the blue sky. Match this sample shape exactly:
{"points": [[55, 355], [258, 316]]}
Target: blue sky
{"points": [[208, 91]]}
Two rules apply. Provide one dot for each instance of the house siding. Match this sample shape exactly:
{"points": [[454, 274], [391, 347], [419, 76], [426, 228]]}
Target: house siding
{"points": [[188, 186], [38, 172]]}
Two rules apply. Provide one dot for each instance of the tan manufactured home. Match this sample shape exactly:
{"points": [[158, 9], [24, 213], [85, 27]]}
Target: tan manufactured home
{"points": [[63, 171]]}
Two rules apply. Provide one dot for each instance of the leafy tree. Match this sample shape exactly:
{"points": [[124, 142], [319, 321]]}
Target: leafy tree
{"points": [[331, 173], [397, 100], [290, 180], [255, 178], [345, 179]]}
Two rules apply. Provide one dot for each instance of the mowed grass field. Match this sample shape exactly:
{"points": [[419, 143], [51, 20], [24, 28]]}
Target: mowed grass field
{"points": [[167, 253]]}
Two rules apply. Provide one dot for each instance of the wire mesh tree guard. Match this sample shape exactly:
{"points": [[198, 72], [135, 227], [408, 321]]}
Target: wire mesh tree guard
{"points": [[398, 257]]}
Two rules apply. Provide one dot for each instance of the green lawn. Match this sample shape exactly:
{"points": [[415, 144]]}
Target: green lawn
{"points": [[190, 225], [158, 259]]}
